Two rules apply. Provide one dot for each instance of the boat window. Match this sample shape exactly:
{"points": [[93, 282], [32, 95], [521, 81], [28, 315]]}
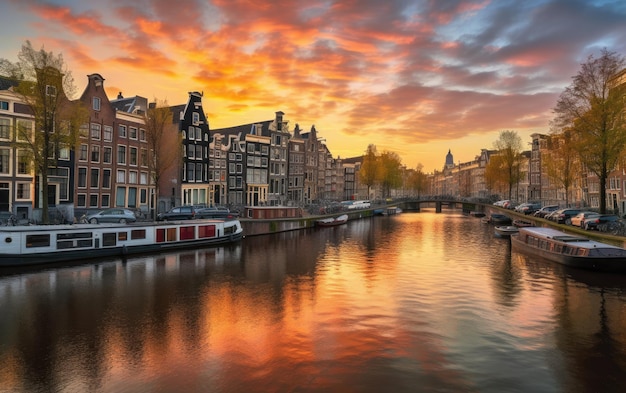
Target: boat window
{"points": [[166, 235], [37, 241], [205, 231], [581, 251], [79, 243], [109, 239], [187, 233], [74, 235], [121, 236], [229, 230], [138, 234]]}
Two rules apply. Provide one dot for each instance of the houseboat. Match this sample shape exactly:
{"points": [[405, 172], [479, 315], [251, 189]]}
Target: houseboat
{"points": [[332, 221], [570, 250], [41, 244]]}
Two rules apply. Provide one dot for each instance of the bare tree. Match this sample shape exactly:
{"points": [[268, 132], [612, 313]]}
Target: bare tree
{"points": [[164, 141], [561, 163], [43, 85], [592, 107]]}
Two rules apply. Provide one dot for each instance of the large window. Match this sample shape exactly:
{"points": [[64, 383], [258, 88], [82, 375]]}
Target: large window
{"points": [[108, 133], [106, 157], [23, 191], [133, 156], [4, 161], [121, 176], [96, 130], [82, 177], [82, 153], [121, 154], [95, 178], [95, 153], [122, 131], [5, 128], [106, 178], [23, 162]]}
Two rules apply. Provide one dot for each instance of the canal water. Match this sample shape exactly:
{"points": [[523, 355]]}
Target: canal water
{"points": [[407, 303]]}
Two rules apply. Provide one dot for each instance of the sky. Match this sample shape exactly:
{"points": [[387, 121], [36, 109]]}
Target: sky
{"points": [[414, 77]]}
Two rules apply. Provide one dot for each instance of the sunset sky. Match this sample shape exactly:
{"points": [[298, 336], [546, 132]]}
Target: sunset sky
{"points": [[414, 77]]}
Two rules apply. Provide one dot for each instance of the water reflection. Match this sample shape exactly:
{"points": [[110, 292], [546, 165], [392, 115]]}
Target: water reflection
{"points": [[413, 302]]}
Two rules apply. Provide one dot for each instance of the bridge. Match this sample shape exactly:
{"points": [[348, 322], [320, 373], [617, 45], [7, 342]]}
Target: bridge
{"points": [[439, 203]]}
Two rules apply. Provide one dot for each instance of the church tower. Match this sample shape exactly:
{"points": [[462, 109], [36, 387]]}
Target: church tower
{"points": [[449, 160]]}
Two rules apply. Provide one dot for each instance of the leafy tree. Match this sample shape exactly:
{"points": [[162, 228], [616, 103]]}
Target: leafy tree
{"points": [[561, 163], [495, 174], [509, 147], [164, 141], [418, 181], [369, 171], [390, 171], [592, 107], [43, 85]]}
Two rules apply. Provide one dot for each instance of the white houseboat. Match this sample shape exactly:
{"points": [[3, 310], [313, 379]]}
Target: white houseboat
{"points": [[40, 244], [570, 250]]}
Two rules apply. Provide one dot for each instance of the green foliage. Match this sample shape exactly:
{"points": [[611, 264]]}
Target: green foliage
{"points": [[42, 84], [592, 107]]}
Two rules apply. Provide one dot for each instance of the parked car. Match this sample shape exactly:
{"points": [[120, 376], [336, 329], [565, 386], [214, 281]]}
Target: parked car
{"points": [[544, 211], [593, 223], [115, 214], [580, 218], [528, 208], [564, 216], [178, 213], [502, 203], [216, 212]]}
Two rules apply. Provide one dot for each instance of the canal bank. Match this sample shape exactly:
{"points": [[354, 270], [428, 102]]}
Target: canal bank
{"points": [[256, 227]]}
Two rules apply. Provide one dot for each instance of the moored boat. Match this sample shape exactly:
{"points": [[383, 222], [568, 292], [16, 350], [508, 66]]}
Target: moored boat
{"points": [[41, 244], [332, 221], [569, 250], [505, 230]]}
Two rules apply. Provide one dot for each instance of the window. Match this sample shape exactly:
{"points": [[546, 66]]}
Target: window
{"points": [[106, 178], [93, 200], [106, 157], [196, 118], [83, 131], [23, 162], [132, 177], [4, 105], [82, 200], [122, 131], [5, 128], [95, 103], [143, 196], [143, 178], [23, 191], [121, 176], [82, 153], [82, 177], [95, 153], [142, 134], [192, 132], [95, 131], [121, 154], [133, 132], [106, 199], [4, 161], [64, 153], [108, 133], [133, 156], [24, 129], [144, 157], [95, 178]]}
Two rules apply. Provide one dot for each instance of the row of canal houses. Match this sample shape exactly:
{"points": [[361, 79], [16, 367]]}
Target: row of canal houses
{"points": [[257, 164], [466, 180]]}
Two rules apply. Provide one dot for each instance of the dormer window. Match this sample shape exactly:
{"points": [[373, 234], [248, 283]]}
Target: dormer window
{"points": [[95, 101]]}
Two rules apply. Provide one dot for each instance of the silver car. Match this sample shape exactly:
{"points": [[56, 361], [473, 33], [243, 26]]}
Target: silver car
{"points": [[116, 214]]}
